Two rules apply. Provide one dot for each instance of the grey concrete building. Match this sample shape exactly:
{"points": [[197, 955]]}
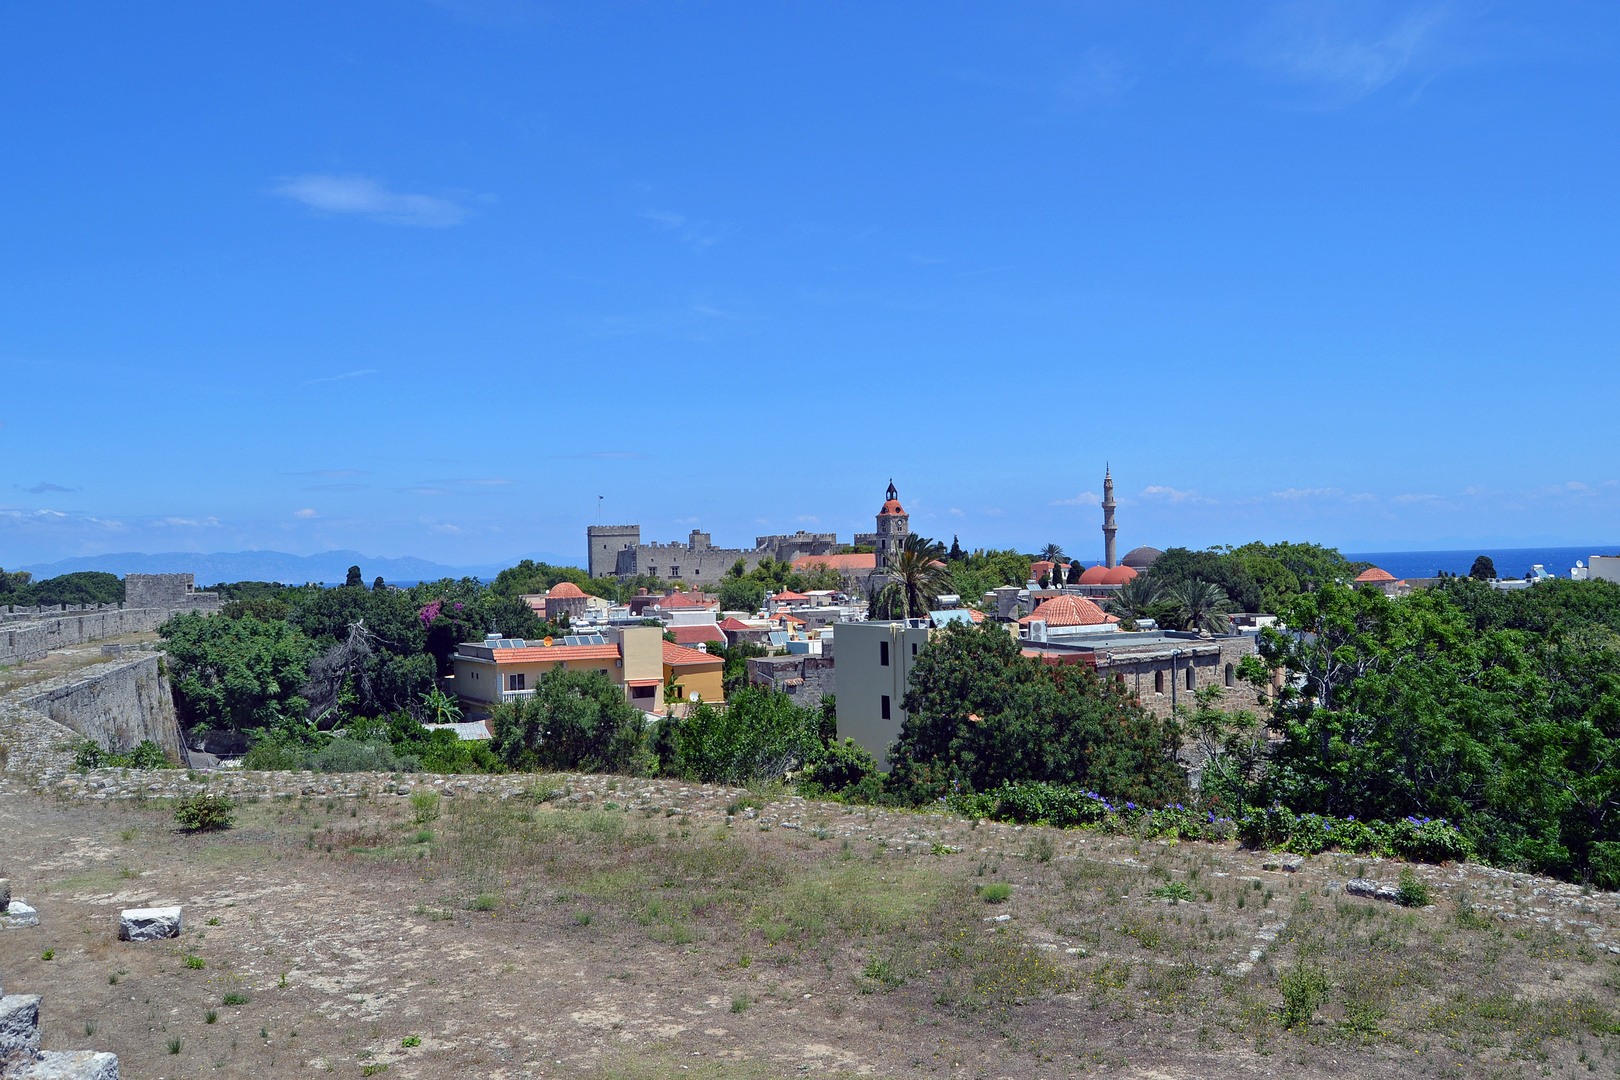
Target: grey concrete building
{"points": [[874, 666]]}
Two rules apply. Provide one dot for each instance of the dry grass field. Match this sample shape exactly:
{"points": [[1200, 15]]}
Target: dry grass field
{"points": [[542, 936]]}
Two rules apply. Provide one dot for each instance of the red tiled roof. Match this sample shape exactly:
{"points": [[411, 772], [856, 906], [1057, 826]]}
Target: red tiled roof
{"points": [[566, 590], [867, 561], [892, 506], [1374, 576], [1069, 611], [683, 600], [732, 623], [789, 594], [691, 635], [675, 656], [785, 617], [539, 653]]}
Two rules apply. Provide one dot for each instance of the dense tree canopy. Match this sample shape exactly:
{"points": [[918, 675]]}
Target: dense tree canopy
{"points": [[236, 674], [84, 587], [979, 713], [1499, 712]]}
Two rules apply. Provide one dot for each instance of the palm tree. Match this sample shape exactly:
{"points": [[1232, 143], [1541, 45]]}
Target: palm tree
{"points": [[1134, 599], [1201, 605], [1052, 553], [918, 568]]}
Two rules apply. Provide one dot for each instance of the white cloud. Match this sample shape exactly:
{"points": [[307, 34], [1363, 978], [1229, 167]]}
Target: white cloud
{"points": [[1099, 76], [1347, 51], [1085, 498], [1156, 492], [306, 513], [1410, 499], [1295, 494], [366, 197], [187, 523], [338, 378]]}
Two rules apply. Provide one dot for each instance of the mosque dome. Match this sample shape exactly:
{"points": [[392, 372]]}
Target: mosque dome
{"points": [[1118, 575], [1140, 558], [1094, 575]]}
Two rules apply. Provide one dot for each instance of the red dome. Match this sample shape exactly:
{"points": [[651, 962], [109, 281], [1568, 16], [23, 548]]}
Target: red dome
{"points": [[890, 507], [1094, 575], [1118, 575], [566, 590]]}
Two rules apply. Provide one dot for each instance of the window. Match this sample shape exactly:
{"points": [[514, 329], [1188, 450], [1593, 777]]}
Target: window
{"points": [[674, 571], [642, 691], [1158, 682], [514, 682], [883, 661], [1190, 684], [913, 648], [885, 706], [1231, 676]]}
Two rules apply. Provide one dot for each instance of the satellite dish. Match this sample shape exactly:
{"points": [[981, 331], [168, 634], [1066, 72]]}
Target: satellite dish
{"points": [[548, 642], [692, 697]]}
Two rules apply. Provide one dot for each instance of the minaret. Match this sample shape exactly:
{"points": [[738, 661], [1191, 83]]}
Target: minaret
{"points": [[1109, 528]]}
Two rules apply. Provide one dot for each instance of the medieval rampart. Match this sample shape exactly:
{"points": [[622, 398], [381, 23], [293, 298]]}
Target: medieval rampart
{"points": [[30, 633], [118, 704]]}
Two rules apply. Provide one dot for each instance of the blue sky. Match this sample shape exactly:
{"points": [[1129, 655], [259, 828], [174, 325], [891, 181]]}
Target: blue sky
{"points": [[428, 279]]}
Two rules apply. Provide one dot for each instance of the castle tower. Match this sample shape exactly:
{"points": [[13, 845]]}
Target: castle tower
{"points": [[893, 523], [1109, 528]]}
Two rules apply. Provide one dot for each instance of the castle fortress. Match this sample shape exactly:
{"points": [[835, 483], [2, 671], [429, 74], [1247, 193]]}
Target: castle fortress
{"points": [[617, 551]]}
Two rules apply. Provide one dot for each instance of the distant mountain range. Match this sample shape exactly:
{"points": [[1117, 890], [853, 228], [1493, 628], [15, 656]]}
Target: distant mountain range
{"points": [[328, 566]]}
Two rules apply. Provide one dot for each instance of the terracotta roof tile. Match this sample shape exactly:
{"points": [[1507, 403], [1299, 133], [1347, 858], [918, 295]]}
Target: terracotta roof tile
{"points": [[867, 561], [566, 590], [683, 600], [1069, 611], [537, 653], [691, 635], [732, 623], [789, 594], [1374, 576], [676, 656]]}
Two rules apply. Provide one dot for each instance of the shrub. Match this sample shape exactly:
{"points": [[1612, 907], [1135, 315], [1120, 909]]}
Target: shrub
{"points": [[1412, 891], [576, 720], [1426, 840], [1050, 804], [759, 735], [996, 893], [1605, 860], [205, 811], [1303, 990], [236, 999], [195, 963], [411, 1041], [1175, 892], [273, 757], [424, 807], [843, 767], [350, 755]]}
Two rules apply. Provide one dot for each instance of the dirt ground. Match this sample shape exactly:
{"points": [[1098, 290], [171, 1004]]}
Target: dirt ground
{"points": [[546, 936]]}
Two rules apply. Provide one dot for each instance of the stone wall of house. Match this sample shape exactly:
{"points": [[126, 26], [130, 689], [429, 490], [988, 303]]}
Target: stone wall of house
{"points": [[1211, 661], [806, 678]]}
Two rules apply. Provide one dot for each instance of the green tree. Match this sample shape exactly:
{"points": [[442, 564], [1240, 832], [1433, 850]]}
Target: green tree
{"points": [[1483, 569], [575, 720], [235, 674], [741, 594], [920, 574], [83, 587], [978, 712], [1052, 553], [1200, 605], [761, 734], [354, 580], [1135, 600]]}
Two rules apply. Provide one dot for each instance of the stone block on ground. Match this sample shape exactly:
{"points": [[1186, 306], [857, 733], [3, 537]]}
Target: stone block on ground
{"points": [[1287, 864], [19, 1024], [70, 1065], [1373, 890], [18, 915], [149, 924]]}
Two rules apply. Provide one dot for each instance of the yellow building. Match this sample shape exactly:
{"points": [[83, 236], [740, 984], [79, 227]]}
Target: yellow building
{"points": [[694, 672], [509, 669]]}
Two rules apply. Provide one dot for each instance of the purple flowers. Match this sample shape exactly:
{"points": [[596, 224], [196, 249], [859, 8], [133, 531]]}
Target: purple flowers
{"points": [[431, 612]]}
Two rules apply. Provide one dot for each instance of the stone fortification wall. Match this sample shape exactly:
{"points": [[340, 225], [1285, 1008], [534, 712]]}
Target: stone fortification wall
{"points": [[118, 704], [618, 550], [29, 636], [166, 591]]}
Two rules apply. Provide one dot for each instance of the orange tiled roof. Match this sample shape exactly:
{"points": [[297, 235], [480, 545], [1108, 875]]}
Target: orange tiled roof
{"points": [[691, 635], [785, 617], [1069, 611], [540, 653], [789, 594], [892, 506], [676, 656], [683, 600], [566, 590], [1374, 576], [733, 623], [867, 561]]}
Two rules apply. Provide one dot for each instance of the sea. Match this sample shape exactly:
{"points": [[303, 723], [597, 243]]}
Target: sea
{"points": [[1509, 562]]}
